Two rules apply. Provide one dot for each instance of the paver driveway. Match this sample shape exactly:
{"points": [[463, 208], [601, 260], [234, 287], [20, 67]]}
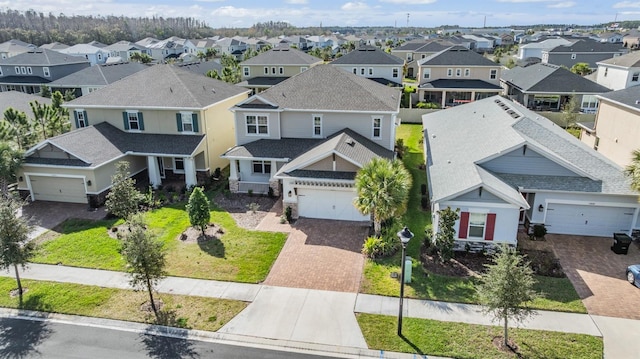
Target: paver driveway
{"points": [[319, 254], [46, 215], [598, 274]]}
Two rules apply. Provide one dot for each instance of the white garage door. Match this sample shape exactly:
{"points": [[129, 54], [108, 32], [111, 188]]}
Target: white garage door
{"points": [[588, 220], [58, 189], [327, 204]]}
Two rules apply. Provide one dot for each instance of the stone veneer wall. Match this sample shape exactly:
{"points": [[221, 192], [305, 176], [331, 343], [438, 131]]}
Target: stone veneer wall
{"points": [[234, 186], [477, 247], [294, 208], [275, 187]]}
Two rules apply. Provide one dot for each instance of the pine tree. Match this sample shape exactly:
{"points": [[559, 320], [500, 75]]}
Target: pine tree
{"points": [[198, 209], [123, 198]]}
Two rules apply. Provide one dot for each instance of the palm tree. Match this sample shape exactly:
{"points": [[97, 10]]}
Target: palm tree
{"points": [[633, 170], [383, 190]]}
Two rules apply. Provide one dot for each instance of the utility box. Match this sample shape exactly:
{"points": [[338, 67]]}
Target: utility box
{"points": [[408, 266]]}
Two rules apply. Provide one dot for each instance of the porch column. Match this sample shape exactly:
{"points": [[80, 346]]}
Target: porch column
{"points": [[190, 172], [473, 96], [444, 99], [233, 169], [273, 169], [526, 101], [274, 184], [154, 171]]}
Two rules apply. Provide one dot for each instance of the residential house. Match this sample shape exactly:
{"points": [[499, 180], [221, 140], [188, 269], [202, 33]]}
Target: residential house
{"points": [[546, 87], [504, 166], [166, 122], [54, 46], [187, 46], [307, 137], [97, 44], [92, 78], [609, 37], [413, 51], [616, 129], [274, 66], [28, 71], [20, 101], [506, 40], [631, 40], [203, 45], [481, 43], [534, 49], [14, 47], [230, 46], [123, 50], [587, 51], [457, 75], [164, 49], [95, 55], [619, 72], [374, 64], [299, 42]]}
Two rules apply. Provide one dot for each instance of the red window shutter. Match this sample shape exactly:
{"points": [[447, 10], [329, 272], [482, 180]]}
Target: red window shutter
{"points": [[491, 226], [464, 225]]}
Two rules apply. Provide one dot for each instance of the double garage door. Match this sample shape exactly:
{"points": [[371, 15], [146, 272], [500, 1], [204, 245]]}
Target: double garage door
{"points": [[327, 204], [588, 220], [58, 189]]}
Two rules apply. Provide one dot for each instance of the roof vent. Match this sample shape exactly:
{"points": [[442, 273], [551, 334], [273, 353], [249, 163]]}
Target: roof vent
{"points": [[350, 141]]}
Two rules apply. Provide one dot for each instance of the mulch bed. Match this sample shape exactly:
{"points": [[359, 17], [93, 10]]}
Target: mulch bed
{"points": [[237, 204], [194, 235]]}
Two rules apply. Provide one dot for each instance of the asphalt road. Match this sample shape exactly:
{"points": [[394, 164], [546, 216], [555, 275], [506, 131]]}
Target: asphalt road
{"points": [[22, 338]]}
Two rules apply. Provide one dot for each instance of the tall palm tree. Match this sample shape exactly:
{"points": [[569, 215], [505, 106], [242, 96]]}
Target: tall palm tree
{"points": [[633, 170], [383, 190]]}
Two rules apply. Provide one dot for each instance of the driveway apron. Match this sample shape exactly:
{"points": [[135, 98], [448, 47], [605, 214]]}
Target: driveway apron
{"points": [[45, 215]]}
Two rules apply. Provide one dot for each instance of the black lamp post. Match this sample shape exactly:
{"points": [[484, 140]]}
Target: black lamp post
{"points": [[405, 236]]}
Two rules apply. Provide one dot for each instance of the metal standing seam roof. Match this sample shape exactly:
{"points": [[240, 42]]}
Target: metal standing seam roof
{"points": [[551, 79], [161, 86], [102, 143], [368, 55], [461, 138], [283, 56], [326, 87]]}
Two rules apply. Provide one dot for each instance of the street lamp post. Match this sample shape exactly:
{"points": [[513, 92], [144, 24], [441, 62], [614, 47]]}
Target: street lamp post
{"points": [[405, 236]]}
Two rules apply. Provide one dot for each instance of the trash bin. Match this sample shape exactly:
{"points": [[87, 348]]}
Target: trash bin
{"points": [[621, 242], [408, 264]]}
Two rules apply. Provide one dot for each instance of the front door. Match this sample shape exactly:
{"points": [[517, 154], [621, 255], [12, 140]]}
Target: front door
{"points": [[161, 166]]}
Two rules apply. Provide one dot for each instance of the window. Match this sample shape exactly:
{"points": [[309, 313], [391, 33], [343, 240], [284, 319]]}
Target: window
{"points": [[187, 122], [262, 167], [317, 125], [449, 72], [477, 222], [23, 70], [81, 119], [573, 56], [596, 143], [245, 71], [494, 74], [370, 71], [46, 72], [355, 71], [273, 70], [266, 70], [178, 165], [377, 126], [458, 72], [257, 125], [17, 69], [395, 72], [606, 70], [467, 72], [281, 70], [426, 74], [362, 71], [0, 71], [589, 104], [91, 89], [477, 225], [134, 122], [99, 56], [29, 70], [634, 78], [303, 69]]}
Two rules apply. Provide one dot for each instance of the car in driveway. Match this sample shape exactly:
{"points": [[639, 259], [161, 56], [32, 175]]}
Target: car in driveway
{"points": [[633, 274]]}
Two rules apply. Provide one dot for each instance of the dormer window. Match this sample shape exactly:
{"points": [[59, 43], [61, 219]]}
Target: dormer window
{"points": [[449, 72], [81, 118], [246, 71]]}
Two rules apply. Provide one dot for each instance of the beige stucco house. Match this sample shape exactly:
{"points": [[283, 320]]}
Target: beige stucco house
{"points": [[168, 123]]}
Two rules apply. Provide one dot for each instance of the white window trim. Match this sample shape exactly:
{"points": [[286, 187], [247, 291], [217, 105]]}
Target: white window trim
{"points": [[17, 69], [426, 74], [46, 72], [187, 117], [573, 56], [484, 226], [175, 170], [303, 69], [449, 72], [273, 70], [458, 72], [313, 125], [370, 71], [395, 72], [281, 70], [374, 127], [246, 71], [362, 71], [266, 70], [256, 115], [355, 70], [0, 70], [82, 122], [467, 72], [493, 74], [23, 70], [129, 113], [29, 70]]}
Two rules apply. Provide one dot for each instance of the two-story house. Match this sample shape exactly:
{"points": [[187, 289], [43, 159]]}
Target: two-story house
{"points": [[123, 50], [14, 47], [456, 76], [274, 66], [413, 51], [165, 121], [231, 46], [587, 51], [619, 72], [535, 49], [374, 64], [616, 129], [307, 137], [546, 87], [92, 78], [94, 54], [28, 71]]}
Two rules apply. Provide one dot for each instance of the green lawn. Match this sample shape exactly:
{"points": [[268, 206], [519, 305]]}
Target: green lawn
{"points": [[559, 292], [242, 255], [193, 312], [467, 341]]}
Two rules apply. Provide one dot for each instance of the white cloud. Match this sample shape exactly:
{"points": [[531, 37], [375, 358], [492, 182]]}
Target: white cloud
{"points": [[297, 2], [410, 2], [355, 6], [523, 1], [626, 4], [562, 5], [209, 0]]}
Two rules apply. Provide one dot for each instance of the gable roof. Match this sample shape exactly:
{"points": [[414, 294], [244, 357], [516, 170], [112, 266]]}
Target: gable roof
{"points": [[43, 57], [368, 55], [15, 45], [629, 97], [588, 46], [20, 101], [457, 146], [160, 86], [82, 49], [100, 75], [550, 78], [124, 46], [631, 59], [54, 46], [326, 87], [456, 56], [102, 143], [282, 55]]}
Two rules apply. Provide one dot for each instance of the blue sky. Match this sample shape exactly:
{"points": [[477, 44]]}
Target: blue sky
{"points": [[302, 13]]}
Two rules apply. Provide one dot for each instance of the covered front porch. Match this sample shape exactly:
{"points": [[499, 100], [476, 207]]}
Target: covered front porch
{"points": [[254, 175], [449, 93]]}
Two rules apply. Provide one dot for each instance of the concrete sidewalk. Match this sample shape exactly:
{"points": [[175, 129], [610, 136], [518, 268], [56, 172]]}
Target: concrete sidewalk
{"points": [[328, 318]]}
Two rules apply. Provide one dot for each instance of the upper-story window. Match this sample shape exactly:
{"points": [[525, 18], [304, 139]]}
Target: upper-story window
{"points": [[246, 71], [458, 72], [377, 127], [395, 72], [370, 71], [81, 118], [317, 125], [362, 71], [573, 56], [409, 57], [493, 74], [99, 56], [426, 73], [45, 71], [449, 72], [635, 76], [281, 70], [17, 69], [355, 71], [273, 70], [467, 72], [303, 69], [187, 122], [23, 70], [606, 70], [266, 70], [257, 124], [133, 120], [0, 70]]}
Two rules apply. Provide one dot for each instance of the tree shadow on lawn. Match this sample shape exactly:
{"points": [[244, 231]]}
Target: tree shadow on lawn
{"points": [[212, 245], [20, 338]]}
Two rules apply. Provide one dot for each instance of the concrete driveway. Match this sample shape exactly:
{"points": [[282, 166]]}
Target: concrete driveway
{"points": [[598, 274], [46, 215]]}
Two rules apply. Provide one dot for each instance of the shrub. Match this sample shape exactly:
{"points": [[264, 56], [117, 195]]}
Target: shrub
{"points": [[539, 231], [424, 202], [371, 247], [270, 192], [250, 192], [423, 189], [283, 219], [216, 173], [288, 214], [253, 207]]}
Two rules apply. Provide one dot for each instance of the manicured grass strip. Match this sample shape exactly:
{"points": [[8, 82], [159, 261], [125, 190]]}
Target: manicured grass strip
{"points": [[241, 255], [92, 301], [467, 341], [558, 295]]}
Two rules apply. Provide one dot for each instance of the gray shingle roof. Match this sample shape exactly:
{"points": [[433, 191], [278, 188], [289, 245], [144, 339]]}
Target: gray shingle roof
{"points": [[99, 75], [43, 57], [550, 78], [329, 88], [631, 59], [20, 101], [456, 56], [368, 55], [460, 84], [282, 148], [629, 97], [282, 56], [124, 46], [461, 138], [200, 67], [160, 86], [102, 143], [588, 46]]}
